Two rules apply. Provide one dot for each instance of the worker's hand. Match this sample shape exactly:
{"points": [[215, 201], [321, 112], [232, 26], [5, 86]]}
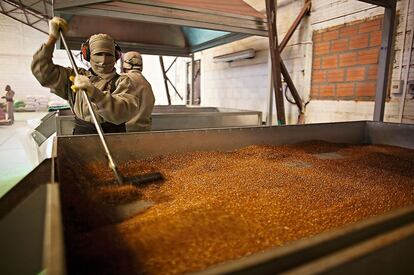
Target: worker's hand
{"points": [[57, 24], [81, 82]]}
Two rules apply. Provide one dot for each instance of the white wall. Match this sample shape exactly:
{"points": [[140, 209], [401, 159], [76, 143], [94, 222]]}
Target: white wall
{"points": [[153, 73], [245, 84], [20, 42]]}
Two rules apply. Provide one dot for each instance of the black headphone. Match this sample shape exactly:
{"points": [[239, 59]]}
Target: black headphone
{"points": [[86, 51]]}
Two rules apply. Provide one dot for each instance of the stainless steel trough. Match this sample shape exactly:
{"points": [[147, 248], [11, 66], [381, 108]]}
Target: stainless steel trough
{"points": [[181, 117], [32, 234]]}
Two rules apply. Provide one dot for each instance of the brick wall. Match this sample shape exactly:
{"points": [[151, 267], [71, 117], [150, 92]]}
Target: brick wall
{"points": [[345, 60]]}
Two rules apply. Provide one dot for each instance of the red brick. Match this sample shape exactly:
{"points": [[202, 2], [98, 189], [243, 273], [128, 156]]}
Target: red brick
{"points": [[372, 72], [355, 74], [369, 26], [334, 28], [315, 90], [318, 76], [348, 59], [317, 36], [358, 41], [321, 48], [331, 35], [339, 45], [330, 62], [375, 38], [366, 89], [345, 89], [316, 63], [337, 75], [369, 56], [327, 90], [348, 31]]}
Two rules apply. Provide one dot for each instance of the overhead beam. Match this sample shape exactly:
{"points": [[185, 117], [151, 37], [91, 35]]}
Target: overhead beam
{"points": [[174, 17], [381, 3], [25, 23], [305, 10], [24, 8], [24, 12], [63, 4]]}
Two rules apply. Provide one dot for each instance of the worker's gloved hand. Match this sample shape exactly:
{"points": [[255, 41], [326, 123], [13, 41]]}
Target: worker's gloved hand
{"points": [[57, 24], [81, 82]]}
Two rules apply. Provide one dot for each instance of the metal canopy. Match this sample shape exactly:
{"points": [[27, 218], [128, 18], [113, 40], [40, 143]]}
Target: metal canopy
{"points": [[162, 27], [33, 13]]}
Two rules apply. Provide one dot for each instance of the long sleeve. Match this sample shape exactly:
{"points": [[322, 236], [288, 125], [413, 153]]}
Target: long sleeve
{"points": [[50, 75], [142, 119], [119, 106]]}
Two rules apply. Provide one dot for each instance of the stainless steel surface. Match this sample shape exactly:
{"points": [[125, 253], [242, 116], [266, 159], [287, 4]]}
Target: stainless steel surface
{"points": [[364, 239], [148, 144], [53, 245], [26, 186], [65, 125], [387, 253], [112, 163], [395, 134], [193, 119], [45, 129], [176, 29], [183, 117], [298, 253], [21, 234]]}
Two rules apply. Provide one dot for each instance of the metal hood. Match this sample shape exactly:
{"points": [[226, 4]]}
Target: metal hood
{"points": [[162, 27]]}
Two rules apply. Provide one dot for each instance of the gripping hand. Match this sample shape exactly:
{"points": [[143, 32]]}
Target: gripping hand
{"points": [[57, 24], [81, 82]]}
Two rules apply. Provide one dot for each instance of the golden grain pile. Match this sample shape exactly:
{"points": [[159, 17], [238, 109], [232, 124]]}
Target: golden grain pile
{"points": [[220, 206]]}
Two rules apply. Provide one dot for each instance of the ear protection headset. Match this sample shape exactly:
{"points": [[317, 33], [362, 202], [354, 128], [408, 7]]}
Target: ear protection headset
{"points": [[86, 51]]}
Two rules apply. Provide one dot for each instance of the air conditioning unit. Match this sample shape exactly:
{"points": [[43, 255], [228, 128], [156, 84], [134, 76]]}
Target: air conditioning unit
{"points": [[230, 57]]}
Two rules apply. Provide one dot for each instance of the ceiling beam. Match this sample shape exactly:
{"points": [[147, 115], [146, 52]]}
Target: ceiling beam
{"points": [[382, 3], [63, 4]]}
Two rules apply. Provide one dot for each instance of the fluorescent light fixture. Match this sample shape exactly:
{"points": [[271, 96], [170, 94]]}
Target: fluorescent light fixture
{"points": [[249, 53]]}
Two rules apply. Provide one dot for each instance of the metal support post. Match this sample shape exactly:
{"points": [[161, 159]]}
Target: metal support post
{"points": [[291, 86], [192, 74], [165, 79], [269, 119], [305, 11], [275, 57], [384, 63]]}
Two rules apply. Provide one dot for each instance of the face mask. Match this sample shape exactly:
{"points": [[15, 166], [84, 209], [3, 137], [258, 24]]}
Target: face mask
{"points": [[103, 65]]}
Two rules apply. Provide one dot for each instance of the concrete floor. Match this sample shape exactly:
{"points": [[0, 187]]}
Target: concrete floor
{"points": [[18, 152]]}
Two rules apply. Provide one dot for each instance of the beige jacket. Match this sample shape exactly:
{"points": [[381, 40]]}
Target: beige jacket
{"points": [[142, 119], [116, 107]]}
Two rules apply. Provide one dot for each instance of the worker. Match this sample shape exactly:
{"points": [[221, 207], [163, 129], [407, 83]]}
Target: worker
{"points": [[9, 94], [112, 95], [132, 67]]}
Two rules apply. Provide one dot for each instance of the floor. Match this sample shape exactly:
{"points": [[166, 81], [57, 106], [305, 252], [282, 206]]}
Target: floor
{"points": [[19, 154]]}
